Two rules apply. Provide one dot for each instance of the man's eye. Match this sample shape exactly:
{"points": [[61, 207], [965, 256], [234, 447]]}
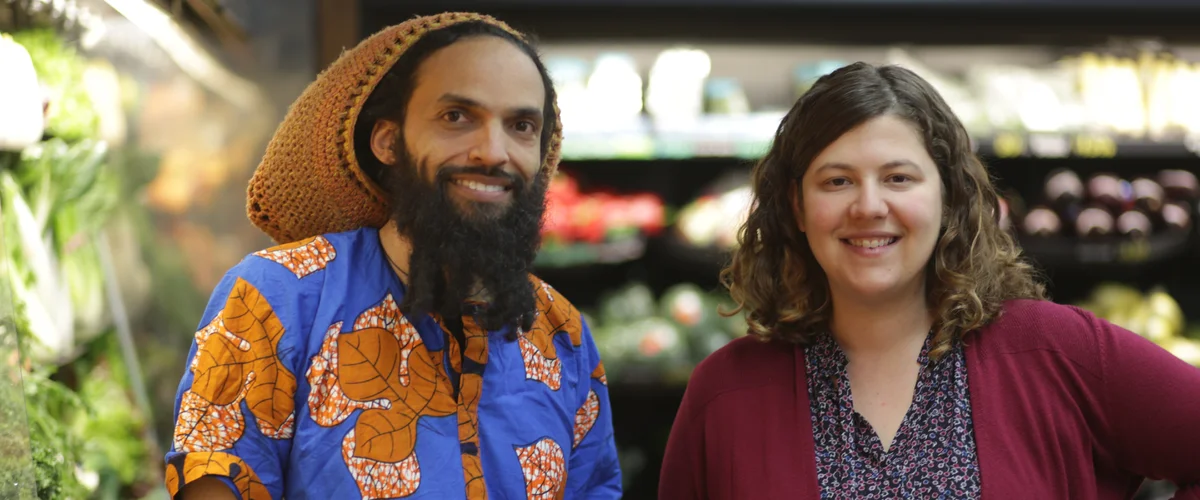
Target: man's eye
{"points": [[453, 116], [526, 127]]}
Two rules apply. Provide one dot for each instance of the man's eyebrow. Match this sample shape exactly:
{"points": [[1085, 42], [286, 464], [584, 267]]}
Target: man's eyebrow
{"points": [[467, 102], [527, 112], [460, 100]]}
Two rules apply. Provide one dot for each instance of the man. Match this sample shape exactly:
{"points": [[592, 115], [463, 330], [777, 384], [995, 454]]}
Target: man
{"points": [[396, 345]]}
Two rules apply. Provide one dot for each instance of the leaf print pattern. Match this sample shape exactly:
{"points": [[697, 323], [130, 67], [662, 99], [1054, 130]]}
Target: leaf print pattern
{"points": [[544, 468], [586, 417], [185, 468], [203, 426], [236, 360], [303, 257], [381, 479], [554, 316], [470, 392], [217, 327], [558, 314], [538, 365], [383, 368], [473, 475], [599, 374], [327, 404]]}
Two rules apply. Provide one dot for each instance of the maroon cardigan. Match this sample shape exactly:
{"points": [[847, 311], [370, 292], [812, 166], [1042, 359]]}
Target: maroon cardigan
{"points": [[1065, 406]]}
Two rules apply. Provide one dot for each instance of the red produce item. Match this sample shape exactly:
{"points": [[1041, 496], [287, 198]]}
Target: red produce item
{"points": [[616, 213], [587, 221], [647, 212], [557, 221]]}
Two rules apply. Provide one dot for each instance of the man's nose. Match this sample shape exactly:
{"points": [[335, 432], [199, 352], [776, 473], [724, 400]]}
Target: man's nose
{"points": [[491, 146]]}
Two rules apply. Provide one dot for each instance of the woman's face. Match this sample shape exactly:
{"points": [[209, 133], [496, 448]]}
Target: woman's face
{"points": [[872, 211]]}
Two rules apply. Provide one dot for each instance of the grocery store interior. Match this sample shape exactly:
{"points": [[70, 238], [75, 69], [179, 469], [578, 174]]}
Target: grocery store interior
{"points": [[127, 144]]}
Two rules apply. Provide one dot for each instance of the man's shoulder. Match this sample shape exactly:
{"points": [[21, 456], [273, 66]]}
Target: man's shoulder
{"points": [[306, 260], [551, 302], [556, 314]]}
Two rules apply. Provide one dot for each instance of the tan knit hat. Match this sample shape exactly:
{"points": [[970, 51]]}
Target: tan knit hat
{"points": [[309, 182]]}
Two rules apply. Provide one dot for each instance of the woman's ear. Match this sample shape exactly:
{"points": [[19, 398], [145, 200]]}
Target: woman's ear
{"points": [[797, 207], [383, 141]]}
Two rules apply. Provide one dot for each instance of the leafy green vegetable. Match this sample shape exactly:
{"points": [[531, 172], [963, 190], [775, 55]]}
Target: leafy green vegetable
{"points": [[112, 424], [56, 450], [35, 278], [60, 70], [16, 463]]}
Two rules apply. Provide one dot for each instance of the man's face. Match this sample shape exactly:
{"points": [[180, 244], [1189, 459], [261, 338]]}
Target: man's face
{"points": [[475, 116], [465, 182]]}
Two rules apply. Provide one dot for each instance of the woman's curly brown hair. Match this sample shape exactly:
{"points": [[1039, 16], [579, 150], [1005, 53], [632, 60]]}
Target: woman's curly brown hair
{"points": [[976, 266]]}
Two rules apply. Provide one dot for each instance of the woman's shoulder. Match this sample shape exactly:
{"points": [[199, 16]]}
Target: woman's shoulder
{"points": [[1036, 317], [1026, 325], [745, 363]]}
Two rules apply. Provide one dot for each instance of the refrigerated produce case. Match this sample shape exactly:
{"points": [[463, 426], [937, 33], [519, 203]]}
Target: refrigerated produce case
{"points": [[119, 130]]}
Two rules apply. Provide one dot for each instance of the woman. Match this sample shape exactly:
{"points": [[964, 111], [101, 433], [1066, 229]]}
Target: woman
{"points": [[899, 345]]}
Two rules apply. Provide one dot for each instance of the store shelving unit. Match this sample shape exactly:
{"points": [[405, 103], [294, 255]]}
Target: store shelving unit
{"points": [[757, 42], [126, 88]]}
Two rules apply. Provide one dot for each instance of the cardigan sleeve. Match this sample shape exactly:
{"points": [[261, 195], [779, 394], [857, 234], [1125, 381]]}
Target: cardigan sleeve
{"points": [[1151, 401], [682, 474]]}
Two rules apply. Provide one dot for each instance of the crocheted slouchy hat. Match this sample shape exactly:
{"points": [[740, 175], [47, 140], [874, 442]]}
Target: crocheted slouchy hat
{"points": [[309, 182]]}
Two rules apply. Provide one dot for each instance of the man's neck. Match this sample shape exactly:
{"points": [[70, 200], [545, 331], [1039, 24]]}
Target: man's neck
{"points": [[398, 250]]}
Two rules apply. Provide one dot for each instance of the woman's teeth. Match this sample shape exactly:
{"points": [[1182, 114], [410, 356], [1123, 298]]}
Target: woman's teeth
{"points": [[872, 243], [479, 186]]}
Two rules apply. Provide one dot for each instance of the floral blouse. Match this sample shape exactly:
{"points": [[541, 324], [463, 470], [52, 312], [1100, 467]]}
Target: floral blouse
{"points": [[933, 453]]}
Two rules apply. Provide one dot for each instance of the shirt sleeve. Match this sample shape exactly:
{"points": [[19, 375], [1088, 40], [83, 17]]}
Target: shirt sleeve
{"points": [[236, 404], [594, 471], [1151, 399]]}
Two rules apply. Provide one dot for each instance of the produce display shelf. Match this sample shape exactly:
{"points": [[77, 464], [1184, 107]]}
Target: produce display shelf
{"points": [[647, 146], [555, 255], [1065, 252], [1084, 145]]}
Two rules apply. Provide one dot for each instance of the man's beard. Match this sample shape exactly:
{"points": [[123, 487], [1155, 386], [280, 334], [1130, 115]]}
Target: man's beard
{"points": [[456, 248]]}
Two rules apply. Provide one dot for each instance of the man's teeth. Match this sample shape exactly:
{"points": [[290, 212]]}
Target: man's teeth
{"points": [[872, 243], [479, 186]]}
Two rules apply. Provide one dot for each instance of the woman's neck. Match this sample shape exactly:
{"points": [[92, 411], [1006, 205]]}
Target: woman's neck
{"points": [[877, 328]]}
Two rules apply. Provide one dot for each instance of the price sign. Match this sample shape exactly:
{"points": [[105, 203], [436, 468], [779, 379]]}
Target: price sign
{"points": [[1049, 145], [1008, 145], [1134, 251], [717, 148], [1095, 146], [1192, 143], [1094, 253]]}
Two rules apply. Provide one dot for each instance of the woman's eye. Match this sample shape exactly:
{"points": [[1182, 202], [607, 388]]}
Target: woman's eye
{"points": [[838, 182], [900, 178]]}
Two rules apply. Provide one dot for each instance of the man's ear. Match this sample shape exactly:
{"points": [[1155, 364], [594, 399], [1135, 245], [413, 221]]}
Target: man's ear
{"points": [[383, 141], [797, 207]]}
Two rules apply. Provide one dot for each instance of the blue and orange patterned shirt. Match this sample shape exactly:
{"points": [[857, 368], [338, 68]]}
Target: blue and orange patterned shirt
{"points": [[306, 381]]}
